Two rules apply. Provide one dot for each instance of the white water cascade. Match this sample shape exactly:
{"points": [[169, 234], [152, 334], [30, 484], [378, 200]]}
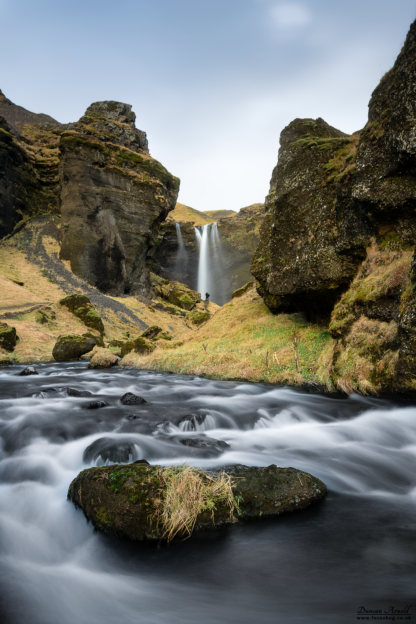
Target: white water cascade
{"points": [[203, 265], [181, 246]]}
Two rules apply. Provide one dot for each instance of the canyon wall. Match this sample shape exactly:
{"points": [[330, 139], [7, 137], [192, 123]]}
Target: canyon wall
{"points": [[337, 242], [99, 176]]}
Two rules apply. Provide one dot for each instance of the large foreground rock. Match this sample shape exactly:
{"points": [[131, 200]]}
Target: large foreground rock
{"points": [[124, 500]]}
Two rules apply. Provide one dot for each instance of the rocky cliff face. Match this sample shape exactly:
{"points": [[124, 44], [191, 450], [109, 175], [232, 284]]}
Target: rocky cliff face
{"points": [[98, 174], [113, 197], [229, 265], [29, 162], [340, 231]]}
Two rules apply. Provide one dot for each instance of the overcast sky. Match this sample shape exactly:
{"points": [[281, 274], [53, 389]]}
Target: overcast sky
{"points": [[212, 82]]}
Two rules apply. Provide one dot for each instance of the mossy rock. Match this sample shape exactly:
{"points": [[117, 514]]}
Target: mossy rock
{"points": [[151, 332], [126, 500], [127, 347], [98, 339], [70, 347], [44, 315], [143, 346], [242, 291], [82, 308], [8, 337], [198, 315]]}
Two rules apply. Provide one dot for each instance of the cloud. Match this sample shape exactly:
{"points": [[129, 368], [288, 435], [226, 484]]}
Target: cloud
{"points": [[290, 15]]}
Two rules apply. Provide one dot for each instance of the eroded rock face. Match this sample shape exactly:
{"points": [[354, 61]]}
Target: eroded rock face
{"points": [[312, 240], [28, 171], [124, 500], [113, 197], [342, 208]]}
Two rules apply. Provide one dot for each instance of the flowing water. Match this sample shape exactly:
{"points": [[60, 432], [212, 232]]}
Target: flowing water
{"points": [[356, 548], [203, 265]]}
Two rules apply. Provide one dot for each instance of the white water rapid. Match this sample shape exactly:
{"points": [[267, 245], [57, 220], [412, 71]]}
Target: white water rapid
{"points": [[316, 566]]}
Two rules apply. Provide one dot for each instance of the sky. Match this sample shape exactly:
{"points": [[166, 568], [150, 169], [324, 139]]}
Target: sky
{"points": [[212, 82]]}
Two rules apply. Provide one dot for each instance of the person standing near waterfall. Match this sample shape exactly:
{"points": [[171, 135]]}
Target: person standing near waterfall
{"points": [[206, 296]]}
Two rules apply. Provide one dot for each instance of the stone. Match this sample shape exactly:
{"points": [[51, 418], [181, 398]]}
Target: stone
{"points": [[29, 370], [82, 308], [152, 332], [110, 449], [70, 347], [102, 358], [175, 293], [8, 337], [131, 399], [95, 405], [143, 346], [124, 500], [211, 444]]}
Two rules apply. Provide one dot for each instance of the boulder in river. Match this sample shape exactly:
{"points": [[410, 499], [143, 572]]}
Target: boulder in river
{"points": [[131, 399], [29, 370], [138, 501], [95, 405], [110, 449], [71, 347]]}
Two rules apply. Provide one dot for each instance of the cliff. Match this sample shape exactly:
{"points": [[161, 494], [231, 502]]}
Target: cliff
{"points": [[113, 197], [98, 175], [338, 237]]}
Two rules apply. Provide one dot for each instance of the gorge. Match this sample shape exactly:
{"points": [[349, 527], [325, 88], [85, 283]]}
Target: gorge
{"points": [[299, 369]]}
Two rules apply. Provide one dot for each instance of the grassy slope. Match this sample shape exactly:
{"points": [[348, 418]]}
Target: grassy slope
{"points": [[220, 214], [245, 341], [36, 341], [185, 213]]}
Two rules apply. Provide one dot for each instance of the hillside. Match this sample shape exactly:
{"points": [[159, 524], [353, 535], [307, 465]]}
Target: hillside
{"points": [[185, 214]]}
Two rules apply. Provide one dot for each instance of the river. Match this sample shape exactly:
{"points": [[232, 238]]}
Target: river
{"points": [[356, 549]]}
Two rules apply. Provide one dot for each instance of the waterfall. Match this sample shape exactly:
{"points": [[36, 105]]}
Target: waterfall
{"points": [[203, 265], [181, 260], [212, 267], [181, 246]]}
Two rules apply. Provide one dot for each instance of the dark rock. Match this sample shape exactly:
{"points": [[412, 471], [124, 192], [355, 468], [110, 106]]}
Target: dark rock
{"points": [[71, 347], [95, 405], [8, 337], [205, 443], [152, 332], [312, 239], [29, 370], [28, 183], [109, 449], [123, 500], [64, 391], [113, 197], [131, 399], [143, 346]]}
